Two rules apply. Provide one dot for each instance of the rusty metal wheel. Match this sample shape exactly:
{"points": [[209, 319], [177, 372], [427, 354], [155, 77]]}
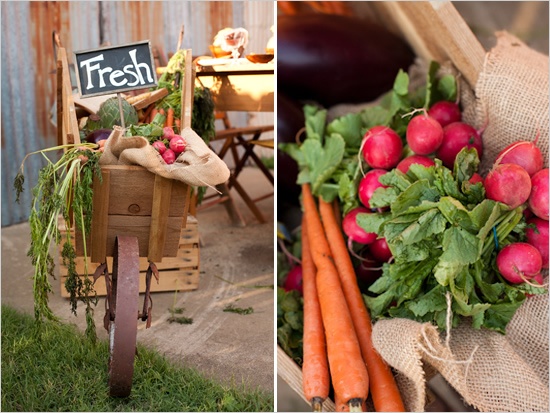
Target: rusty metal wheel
{"points": [[124, 310]]}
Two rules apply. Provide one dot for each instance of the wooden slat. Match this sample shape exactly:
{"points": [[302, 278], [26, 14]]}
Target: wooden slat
{"points": [[171, 280], [187, 92], [436, 31], [149, 98], [186, 258], [291, 373], [162, 192], [100, 204]]}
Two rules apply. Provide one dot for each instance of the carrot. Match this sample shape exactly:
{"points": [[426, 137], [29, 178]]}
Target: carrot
{"points": [[315, 373], [153, 114], [383, 389], [169, 117], [348, 372]]}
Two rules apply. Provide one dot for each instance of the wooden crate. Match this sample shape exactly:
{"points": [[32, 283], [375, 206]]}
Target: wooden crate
{"points": [[179, 273]]}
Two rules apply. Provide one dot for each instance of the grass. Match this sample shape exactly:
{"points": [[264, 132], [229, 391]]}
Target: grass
{"points": [[57, 369]]}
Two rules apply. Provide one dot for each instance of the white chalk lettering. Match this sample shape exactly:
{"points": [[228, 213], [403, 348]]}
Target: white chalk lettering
{"points": [[128, 69], [89, 68], [101, 72], [138, 65], [116, 69], [116, 74]]}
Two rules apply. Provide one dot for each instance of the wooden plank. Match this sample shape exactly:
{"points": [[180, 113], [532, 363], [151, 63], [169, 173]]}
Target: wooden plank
{"points": [[188, 88], [436, 31], [186, 258], [145, 99], [100, 205], [134, 188], [291, 373], [170, 280], [138, 226], [162, 193]]}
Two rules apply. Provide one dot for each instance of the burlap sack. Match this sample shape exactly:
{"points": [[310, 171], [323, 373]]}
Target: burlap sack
{"points": [[491, 371], [198, 165]]}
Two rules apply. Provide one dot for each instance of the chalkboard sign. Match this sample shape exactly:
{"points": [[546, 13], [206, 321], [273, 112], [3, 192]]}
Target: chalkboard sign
{"points": [[115, 69]]}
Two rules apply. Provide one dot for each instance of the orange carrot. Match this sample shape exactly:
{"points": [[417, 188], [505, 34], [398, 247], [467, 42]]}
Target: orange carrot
{"points": [[169, 117], [315, 373], [383, 389], [154, 112], [348, 372]]}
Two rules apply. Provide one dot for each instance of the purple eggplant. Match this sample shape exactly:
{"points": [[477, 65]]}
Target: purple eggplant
{"points": [[334, 59], [98, 135]]}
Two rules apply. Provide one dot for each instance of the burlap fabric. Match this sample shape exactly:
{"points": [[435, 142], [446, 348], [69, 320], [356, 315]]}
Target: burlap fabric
{"points": [[491, 371], [198, 165]]}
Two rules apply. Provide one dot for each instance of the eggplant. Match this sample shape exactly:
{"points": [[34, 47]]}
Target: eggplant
{"points": [[98, 135], [333, 59], [290, 119]]}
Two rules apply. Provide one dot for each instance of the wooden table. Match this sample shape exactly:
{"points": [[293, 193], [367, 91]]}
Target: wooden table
{"points": [[240, 86], [247, 87]]}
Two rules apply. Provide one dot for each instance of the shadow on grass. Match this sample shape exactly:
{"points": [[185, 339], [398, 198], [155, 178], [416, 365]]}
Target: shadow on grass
{"points": [[58, 369]]}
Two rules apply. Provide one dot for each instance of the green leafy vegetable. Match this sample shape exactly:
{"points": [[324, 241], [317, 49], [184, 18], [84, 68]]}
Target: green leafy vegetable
{"points": [[442, 246], [63, 186]]}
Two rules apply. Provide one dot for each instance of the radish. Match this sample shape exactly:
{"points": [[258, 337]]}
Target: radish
{"points": [[508, 183], [519, 262], [177, 144], [524, 154], [456, 136], [159, 146], [405, 163], [368, 270], [382, 147], [538, 238], [169, 156], [370, 183], [538, 199], [445, 112], [475, 178], [167, 132], [293, 280], [424, 134], [380, 250], [353, 230]]}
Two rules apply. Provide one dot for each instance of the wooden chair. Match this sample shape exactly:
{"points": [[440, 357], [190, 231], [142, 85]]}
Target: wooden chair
{"points": [[246, 138]]}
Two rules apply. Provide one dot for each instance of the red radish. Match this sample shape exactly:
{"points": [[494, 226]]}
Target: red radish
{"points": [[368, 270], [456, 136], [524, 154], [354, 231], [476, 178], [424, 134], [167, 132], [382, 147], [445, 112], [380, 250], [405, 163], [177, 144], [169, 156], [159, 146], [508, 183], [538, 238], [370, 183], [518, 262], [538, 199], [293, 280]]}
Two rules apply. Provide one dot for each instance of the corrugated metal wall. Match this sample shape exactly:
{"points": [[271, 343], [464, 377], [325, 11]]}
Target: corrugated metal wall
{"points": [[28, 61]]}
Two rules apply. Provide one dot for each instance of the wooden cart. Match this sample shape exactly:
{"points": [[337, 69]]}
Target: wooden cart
{"points": [[135, 214]]}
